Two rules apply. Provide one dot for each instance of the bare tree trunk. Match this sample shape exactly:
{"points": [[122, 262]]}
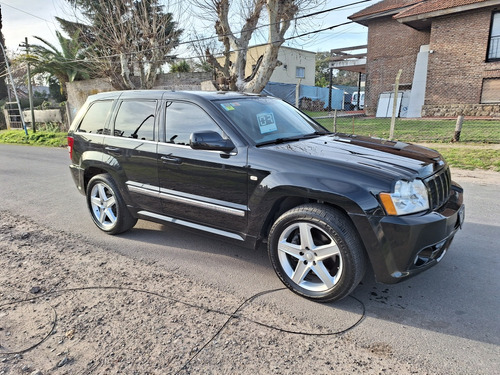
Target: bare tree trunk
{"points": [[126, 71]]}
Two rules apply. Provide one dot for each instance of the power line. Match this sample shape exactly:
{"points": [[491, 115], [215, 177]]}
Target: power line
{"points": [[23, 11], [100, 58]]}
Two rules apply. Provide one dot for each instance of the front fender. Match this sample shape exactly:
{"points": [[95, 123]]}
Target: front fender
{"points": [[346, 195]]}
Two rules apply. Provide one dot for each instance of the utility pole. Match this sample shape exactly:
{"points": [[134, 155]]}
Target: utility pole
{"points": [[30, 88]]}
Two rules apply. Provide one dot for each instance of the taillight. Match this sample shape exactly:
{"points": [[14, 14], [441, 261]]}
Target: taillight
{"points": [[71, 142]]}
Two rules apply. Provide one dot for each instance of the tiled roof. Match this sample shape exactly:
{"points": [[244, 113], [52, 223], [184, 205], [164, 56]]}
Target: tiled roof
{"points": [[385, 6], [435, 5]]}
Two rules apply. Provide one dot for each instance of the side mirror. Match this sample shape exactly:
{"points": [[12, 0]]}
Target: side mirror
{"points": [[210, 140]]}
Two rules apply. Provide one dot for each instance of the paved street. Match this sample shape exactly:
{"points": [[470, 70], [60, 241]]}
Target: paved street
{"points": [[446, 317]]}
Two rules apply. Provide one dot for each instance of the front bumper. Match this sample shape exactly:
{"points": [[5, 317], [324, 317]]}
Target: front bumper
{"points": [[408, 245]]}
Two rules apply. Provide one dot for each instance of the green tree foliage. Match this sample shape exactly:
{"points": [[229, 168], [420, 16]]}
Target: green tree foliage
{"points": [[55, 90], [180, 67], [67, 63], [340, 77], [127, 40]]}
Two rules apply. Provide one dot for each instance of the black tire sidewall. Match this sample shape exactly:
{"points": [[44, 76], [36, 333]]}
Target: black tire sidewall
{"points": [[121, 210], [339, 229]]}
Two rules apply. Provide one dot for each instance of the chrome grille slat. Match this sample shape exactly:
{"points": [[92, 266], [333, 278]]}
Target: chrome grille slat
{"points": [[439, 187]]}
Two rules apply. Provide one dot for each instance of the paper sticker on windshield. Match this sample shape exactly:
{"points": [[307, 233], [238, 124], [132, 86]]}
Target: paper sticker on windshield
{"points": [[266, 123], [227, 106]]}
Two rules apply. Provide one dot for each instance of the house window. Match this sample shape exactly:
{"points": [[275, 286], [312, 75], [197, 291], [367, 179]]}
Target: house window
{"points": [[491, 91], [494, 44], [300, 72]]}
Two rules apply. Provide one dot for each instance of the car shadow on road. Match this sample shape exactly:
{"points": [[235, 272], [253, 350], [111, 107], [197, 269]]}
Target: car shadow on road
{"points": [[450, 298]]}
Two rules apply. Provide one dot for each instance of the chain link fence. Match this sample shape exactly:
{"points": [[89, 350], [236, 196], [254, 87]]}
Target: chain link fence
{"points": [[414, 130]]}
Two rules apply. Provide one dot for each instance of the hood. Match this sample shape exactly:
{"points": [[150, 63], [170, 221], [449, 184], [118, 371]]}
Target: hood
{"points": [[387, 157]]}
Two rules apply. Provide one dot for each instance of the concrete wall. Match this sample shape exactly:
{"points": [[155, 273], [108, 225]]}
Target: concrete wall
{"points": [[182, 81], [78, 92], [45, 115]]}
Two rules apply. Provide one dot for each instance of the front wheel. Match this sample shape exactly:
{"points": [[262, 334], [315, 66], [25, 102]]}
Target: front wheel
{"points": [[316, 252], [106, 206]]}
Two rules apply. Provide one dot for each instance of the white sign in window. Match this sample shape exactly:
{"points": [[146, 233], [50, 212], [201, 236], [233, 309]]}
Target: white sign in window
{"points": [[266, 122]]}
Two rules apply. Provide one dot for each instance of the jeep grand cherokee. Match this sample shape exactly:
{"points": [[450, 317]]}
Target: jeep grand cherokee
{"points": [[254, 169]]}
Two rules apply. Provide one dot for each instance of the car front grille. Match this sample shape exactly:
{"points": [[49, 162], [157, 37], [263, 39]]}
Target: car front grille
{"points": [[439, 186]]}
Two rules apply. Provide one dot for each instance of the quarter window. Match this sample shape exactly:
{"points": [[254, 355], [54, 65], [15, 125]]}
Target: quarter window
{"points": [[136, 119], [95, 118], [184, 119], [494, 44]]}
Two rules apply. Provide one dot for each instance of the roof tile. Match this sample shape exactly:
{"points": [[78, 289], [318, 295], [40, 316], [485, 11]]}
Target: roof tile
{"points": [[434, 5], [384, 6]]}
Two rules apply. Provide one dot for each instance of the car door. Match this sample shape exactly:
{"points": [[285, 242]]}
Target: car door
{"points": [[208, 188], [131, 148]]}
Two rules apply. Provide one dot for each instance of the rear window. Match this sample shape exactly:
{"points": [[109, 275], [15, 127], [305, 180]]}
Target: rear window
{"points": [[95, 118], [136, 119]]}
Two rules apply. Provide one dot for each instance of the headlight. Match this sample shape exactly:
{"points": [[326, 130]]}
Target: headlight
{"points": [[407, 198]]}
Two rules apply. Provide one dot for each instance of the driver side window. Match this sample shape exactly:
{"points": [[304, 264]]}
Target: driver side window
{"points": [[184, 119]]}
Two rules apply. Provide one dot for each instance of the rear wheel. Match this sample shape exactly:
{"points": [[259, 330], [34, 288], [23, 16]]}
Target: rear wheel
{"points": [[106, 206], [316, 252]]}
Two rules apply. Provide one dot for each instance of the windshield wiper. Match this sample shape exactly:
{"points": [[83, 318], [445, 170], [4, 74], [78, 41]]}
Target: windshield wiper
{"points": [[293, 138]]}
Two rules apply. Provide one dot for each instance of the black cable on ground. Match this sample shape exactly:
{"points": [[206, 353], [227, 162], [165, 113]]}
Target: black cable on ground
{"points": [[230, 316]]}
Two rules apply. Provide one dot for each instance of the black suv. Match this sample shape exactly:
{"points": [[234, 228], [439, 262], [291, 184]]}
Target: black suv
{"points": [[253, 168]]}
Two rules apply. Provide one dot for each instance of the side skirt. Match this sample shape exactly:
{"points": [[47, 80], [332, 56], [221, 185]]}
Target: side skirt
{"points": [[162, 218]]}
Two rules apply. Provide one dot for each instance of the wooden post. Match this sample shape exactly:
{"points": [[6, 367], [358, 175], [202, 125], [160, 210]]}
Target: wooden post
{"points": [[395, 105], [353, 122], [458, 128], [335, 121], [297, 93]]}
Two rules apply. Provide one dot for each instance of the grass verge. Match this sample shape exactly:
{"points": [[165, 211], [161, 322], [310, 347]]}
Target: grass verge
{"points": [[40, 138], [470, 157]]}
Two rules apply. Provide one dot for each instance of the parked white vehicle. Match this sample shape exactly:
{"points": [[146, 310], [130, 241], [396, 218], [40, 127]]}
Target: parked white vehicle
{"points": [[354, 100]]}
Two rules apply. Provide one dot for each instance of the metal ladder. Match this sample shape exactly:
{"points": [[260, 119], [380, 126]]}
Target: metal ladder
{"points": [[14, 118]]}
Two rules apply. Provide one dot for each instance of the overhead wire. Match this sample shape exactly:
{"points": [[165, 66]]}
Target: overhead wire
{"points": [[198, 40]]}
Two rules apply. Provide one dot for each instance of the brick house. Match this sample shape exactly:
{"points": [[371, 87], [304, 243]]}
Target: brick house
{"points": [[448, 50]]}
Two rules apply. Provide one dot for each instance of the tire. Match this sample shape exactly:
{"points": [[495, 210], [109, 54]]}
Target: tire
{"points": [[107, 208], [316, 252]]}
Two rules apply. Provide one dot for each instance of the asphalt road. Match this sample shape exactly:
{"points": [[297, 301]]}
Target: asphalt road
{"points": [[446, 318]]}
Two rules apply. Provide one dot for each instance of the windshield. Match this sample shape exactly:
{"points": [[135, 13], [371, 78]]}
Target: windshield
{"points": [[268, 120]]}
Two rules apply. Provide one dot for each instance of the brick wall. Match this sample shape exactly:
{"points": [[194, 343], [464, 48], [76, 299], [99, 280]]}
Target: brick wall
{"points": [[391, 46], [457, 66]]}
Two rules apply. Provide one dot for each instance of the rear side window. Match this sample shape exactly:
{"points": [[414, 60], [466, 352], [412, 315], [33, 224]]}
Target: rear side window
{"points": [[95, 118], [136, 119], [184, 119]]}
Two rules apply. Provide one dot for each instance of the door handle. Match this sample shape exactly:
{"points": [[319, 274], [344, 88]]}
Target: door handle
{"points": [[170, 159], [113, 150]]}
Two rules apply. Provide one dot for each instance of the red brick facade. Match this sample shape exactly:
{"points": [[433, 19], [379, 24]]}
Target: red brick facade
{"points": [[391, 46], [457, 62], [458, 65]]}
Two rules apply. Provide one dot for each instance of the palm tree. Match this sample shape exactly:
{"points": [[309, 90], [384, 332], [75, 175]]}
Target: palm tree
{"points": [[67, 64]]}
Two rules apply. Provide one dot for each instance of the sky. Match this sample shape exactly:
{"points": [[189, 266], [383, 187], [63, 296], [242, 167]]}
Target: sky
{"points": [[28, 18]]}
